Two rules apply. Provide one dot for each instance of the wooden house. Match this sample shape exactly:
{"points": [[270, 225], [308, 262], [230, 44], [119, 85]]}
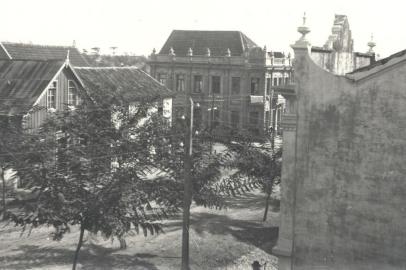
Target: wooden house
{"points": [[31, 89]]}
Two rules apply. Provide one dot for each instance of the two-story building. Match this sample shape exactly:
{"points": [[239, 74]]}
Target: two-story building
{"points": [[227, 74]]}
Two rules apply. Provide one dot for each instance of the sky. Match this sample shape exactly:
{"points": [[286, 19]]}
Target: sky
{"points": [[138, 26]]}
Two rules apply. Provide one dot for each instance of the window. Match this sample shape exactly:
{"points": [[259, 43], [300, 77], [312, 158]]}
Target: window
{"points": [[286, 80], [216, 118], [254, 86], [215, 84], [51, 95], [254, 117], [198, 84], [268, 86], [275, 81], [235, 85], [180, 83], [73, 98], [162, 78], [280, 81], [235, 119]]}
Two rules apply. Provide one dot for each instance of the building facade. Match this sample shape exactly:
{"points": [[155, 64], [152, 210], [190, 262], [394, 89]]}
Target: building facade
{"points": [[226, 73]]}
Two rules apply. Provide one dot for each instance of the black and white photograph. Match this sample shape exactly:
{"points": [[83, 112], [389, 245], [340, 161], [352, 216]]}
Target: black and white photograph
{"points": [[202, 135]]}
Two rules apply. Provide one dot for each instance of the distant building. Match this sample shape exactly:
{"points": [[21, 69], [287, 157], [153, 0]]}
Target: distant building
{"points": [[337, 55], [23, 51], [226, 73]]}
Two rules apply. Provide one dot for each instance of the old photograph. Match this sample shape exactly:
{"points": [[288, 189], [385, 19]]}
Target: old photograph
{"points": [[202, 135]]}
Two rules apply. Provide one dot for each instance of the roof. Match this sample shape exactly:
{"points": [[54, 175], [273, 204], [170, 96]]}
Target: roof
{"points": [[23, 81], [276, 54], [3, 53], [321, 49], [133, 83], [217, 41], [380, 62], [22, 51]]}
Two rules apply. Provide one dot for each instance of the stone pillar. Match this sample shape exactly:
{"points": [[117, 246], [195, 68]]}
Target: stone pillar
{"points": [[285, 245]]}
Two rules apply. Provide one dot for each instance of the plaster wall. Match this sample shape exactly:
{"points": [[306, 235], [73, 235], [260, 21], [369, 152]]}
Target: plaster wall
{"points": [[349, 176]]}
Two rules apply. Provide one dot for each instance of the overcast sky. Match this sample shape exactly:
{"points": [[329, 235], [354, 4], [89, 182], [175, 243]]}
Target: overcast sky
{"points": [[139, 26]]}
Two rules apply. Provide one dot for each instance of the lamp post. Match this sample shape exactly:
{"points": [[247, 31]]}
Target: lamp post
{"points": [[188, 185]]}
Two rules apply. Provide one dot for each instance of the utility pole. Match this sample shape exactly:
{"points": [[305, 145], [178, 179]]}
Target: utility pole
{"points": [[3, 180], [211, 123], [188, 190]]}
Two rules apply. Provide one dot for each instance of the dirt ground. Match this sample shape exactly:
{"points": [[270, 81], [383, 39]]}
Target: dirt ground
{"points": [[220, 239]]}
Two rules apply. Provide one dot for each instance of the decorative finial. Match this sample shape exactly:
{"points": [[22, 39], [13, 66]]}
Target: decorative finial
{"points": [[74, 44], [272, 54], [208, 53], [171, 51], [304, 30], [228, 53], [265, 48], [190, 52], [153, 51], [371, 44]]}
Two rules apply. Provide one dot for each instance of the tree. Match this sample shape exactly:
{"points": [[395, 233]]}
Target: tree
{"points": [[85, 169], [10, 134], [188, 176], [257, 164]]}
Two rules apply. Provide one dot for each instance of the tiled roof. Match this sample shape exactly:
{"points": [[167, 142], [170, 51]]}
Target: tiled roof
{"points": [[217, 41], [3, 53], [380, 62], [132, 82], [23, 81], [21, 51]]}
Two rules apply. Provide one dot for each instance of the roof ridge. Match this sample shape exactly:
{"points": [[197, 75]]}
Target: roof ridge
{"points": [[206, 30], [5, 50], [126, 67], [38, 45], [33, 60]]}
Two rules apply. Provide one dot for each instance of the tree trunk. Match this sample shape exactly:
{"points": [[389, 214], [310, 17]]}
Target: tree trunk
{"points": [[75, 259], [123, 243], [268, 197], [3, 180]]}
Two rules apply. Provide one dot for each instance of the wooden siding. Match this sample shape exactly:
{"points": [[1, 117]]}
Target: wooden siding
{"points": [[38, 114]]}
